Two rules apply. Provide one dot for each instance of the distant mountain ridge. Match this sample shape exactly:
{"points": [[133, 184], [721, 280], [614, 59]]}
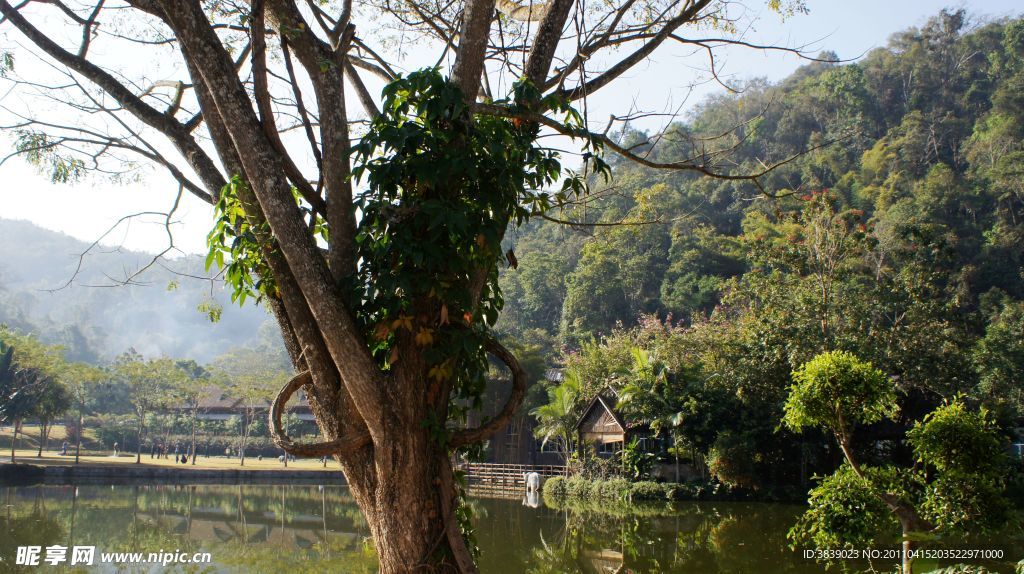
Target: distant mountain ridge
{"points": [[95, 321]]}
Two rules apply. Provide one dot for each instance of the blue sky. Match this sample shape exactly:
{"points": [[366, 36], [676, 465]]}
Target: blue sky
{"points": [[849, 28]]}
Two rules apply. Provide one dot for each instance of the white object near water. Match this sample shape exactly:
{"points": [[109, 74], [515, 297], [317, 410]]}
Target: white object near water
{"points": [[532, 482]]}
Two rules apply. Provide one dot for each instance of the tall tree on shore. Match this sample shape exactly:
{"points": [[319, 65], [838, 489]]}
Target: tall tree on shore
{"points": [[150, 382], [246, 376], [52, 402], [19, 387], [191, 389], [80, 378], [31, 382], [387, 315]]}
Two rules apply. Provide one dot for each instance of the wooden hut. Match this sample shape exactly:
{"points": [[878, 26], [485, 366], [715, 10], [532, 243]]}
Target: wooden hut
{"points": [[604, 428], [601, 426]]}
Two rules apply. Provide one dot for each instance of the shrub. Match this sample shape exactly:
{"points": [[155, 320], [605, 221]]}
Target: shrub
{"points": [[843, 512], [647, 490], [614, 489], [578, 487], [555, 486], [732, 459]]}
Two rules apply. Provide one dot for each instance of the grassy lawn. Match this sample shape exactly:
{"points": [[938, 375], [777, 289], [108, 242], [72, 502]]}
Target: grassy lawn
{"points": [[215, 463], [28, 437], [28, 447]]}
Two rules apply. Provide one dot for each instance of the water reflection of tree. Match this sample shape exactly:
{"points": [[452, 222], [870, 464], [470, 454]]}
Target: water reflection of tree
{"points": [[22, 526], [256, 523], [693, 538]]}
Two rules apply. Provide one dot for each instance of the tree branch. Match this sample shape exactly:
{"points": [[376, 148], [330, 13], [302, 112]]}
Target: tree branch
{"points": [[329, 88], [590, 86], [262, 96], [605, 141], [264, 172], [473, 35], [515, 400], [546, 41], [168, 126]]}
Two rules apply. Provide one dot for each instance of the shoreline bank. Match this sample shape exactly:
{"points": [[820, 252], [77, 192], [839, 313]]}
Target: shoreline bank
{"points": [[22, 473]]}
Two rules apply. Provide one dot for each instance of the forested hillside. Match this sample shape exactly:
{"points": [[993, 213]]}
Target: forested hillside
{"points": [[926, 164], [899, 238], [164, 312]]}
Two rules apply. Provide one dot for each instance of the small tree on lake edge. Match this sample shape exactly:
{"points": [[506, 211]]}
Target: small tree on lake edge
{"points": [[150, 382], [957, 480], [16, 393]]}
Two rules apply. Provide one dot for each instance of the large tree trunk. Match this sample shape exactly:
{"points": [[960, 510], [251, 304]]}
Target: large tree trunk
{"points": [[374, 421], [411, 511], [403, 484]]}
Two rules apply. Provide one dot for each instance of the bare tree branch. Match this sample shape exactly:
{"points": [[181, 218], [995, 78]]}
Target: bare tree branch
{"points": [[174, 131]]}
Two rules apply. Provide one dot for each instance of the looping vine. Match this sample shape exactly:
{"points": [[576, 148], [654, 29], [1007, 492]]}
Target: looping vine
{"points": [[317, 449], [469, 436]]}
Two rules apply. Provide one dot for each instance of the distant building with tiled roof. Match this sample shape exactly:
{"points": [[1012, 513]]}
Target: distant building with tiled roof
{"points": [[217, 404]]}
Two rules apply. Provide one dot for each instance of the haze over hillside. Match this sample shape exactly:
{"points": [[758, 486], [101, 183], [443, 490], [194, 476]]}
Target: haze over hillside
{"points": [[97, 321]]}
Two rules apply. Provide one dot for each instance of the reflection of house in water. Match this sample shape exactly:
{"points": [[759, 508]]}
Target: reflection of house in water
{"points": [[301, 531], [292, 525], [604, 561]]}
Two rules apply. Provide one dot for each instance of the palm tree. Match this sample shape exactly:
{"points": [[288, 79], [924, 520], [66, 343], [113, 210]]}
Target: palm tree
{"points": [[557, 418], [649, 396]]}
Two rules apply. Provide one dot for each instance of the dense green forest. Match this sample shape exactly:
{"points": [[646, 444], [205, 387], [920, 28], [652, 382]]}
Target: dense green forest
{"points": [[899, 237], [927, 156]]}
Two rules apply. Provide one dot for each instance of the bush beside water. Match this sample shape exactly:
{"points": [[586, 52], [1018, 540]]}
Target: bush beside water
{"points": [[577, 488]]}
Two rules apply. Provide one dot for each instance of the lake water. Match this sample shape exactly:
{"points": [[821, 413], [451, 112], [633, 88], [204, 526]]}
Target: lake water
{"points": [[310, 528]]}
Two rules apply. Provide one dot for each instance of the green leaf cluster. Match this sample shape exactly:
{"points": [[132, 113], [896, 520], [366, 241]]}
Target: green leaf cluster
{"points": [[235, 249], [958, 480], [963, 451], [442, 187], [844, 511], [836, 390]]}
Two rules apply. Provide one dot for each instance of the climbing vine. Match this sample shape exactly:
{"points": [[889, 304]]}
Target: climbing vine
{"points": [[442, 186]]}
